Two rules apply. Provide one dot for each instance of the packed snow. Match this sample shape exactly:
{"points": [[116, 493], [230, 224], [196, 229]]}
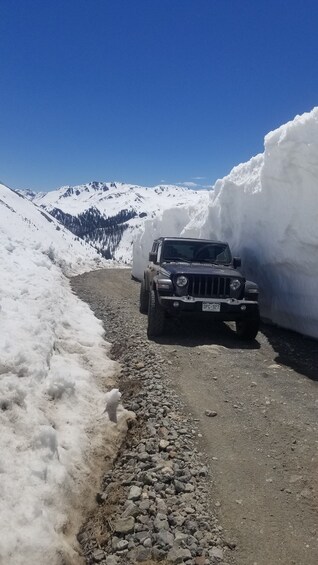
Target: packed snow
{"points": [[54, 373], [267, 209]]}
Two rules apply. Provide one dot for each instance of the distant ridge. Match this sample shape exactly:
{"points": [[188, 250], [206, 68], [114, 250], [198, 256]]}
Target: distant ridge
{"points": [[107, 214]]}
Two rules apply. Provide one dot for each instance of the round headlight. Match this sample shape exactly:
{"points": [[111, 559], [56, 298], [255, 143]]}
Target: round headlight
{"points": [[182, 281], [235, 284]]}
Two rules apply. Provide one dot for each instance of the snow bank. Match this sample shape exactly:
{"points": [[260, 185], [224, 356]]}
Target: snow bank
{"points": [[24, 221], [54, 371], [267, 210]]}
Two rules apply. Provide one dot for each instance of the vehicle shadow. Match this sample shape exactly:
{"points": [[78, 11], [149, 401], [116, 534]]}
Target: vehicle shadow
{"points": [[294, 350], [192, 332]]}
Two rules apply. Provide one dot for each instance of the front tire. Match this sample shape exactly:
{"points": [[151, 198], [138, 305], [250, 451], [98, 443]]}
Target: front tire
{"points": [[247, 329], [156, 316], [144, 298]]}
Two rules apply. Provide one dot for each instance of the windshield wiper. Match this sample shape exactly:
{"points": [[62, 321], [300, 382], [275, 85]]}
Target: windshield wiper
{"points": [[174, 259], [209, 261]]}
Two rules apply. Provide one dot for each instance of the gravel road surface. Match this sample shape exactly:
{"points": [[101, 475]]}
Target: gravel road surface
{"points": [[235, 423]]}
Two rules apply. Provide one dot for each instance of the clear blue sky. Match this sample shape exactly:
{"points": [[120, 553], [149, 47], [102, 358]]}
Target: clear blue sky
{"points": [[145, 91]]}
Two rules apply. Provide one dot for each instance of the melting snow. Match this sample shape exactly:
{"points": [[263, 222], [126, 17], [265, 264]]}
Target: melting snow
{"points": [[54, 370]]}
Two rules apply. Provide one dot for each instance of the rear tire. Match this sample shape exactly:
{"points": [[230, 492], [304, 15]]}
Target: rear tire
{"points": [[144, 298], [156, 316], [247, 329]]}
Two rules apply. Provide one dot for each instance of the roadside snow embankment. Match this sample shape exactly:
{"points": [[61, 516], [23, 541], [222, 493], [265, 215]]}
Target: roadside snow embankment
{"points": [[54, 371], [267, 210]]}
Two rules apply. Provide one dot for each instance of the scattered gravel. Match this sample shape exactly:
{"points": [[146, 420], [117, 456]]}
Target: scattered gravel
{"points": [[155, 503], [261, 445]]}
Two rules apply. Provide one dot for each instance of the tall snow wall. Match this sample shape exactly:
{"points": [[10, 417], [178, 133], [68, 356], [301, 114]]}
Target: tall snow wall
{"points": [[267, 209]]}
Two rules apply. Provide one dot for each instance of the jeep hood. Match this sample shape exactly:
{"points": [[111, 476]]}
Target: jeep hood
{"points": [[200, 269]]}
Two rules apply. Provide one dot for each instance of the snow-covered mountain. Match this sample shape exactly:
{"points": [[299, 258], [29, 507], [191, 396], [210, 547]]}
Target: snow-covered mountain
{"points": [[108, 214], [29, 225]]}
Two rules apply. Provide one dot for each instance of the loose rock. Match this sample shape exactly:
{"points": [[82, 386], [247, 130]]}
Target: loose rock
{"points": [[159, 481], [124, 525], [210, 413]]}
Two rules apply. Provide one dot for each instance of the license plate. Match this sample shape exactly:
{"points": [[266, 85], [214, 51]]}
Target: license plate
{"points": [[211, 307]]}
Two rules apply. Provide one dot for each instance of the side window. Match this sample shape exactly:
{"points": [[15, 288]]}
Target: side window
{"points": [[154, 249]]}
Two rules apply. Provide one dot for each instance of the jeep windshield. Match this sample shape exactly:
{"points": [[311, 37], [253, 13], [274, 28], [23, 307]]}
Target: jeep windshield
{"points": [[195, 252]]}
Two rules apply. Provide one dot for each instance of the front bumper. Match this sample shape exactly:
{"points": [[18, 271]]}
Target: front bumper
{"points": [[229, 309]]}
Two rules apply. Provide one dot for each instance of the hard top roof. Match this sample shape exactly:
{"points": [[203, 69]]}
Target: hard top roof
{"points": [[164, 238]]}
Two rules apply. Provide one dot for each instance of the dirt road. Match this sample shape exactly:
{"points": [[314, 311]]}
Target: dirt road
{"points": [[262, 446]]}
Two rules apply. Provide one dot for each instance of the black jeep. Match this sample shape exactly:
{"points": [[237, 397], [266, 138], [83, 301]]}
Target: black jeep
{"points": [[195, 276]]}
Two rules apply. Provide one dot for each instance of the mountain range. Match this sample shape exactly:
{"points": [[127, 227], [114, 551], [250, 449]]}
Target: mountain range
{"points": [[107, 214]]}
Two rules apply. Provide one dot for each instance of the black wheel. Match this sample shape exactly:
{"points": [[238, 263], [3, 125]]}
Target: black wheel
{"points": [[156, 316], [247, 329], [144, 298]]}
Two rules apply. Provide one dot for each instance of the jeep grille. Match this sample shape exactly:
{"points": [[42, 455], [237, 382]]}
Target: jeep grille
{"points": [[209, 286]]}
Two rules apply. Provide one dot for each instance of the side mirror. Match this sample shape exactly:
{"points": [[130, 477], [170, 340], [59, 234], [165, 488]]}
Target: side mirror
{"points": [[237, 262], [153, 257]]}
